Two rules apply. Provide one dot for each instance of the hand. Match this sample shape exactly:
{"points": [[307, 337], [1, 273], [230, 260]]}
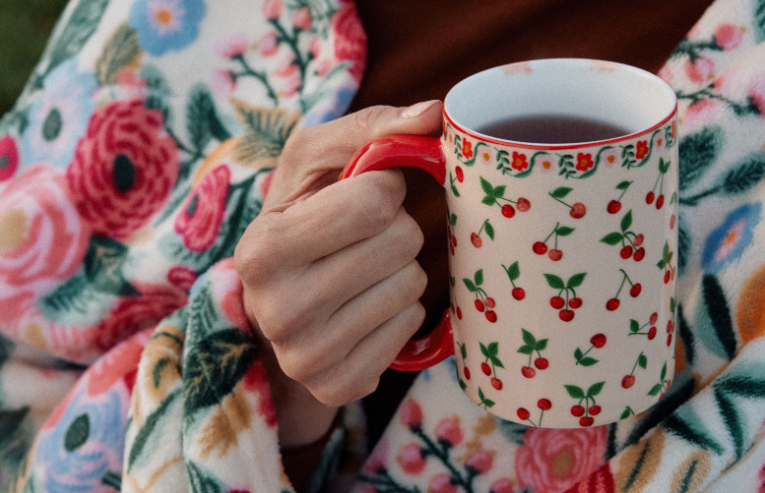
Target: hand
{"points": [[331, 285]]}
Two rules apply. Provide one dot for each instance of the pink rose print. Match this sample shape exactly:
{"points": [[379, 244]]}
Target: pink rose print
{"points": [[552, 460], [43, 239], [301, 19], [350, 39], [202, 213], [449, 430], [502, 485], [584, 161], [441, 483], [411, 414], [272, 9], [601, 481], [410, 459], [9, 157], [481, 461], [269, 45], [120, 363], [756, 93], [642, 149], [233, 46], [123, 168], [256, 381], [182, 277], [223, 82], [728, 36], [700, 70], [519, 161]]}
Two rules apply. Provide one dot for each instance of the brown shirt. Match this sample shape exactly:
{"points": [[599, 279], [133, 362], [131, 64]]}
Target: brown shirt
{"points": [[418, 49]]}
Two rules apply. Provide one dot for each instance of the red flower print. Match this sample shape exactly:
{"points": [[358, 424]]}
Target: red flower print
{"points": [[502, 485], [448, 430], [411, 414], [43, 239], [123, 168], [519, 161], [601, 481], [410, 459], [301, 19], [700, 70], [552, 460], [728, 36], [642, 149], [120, 362], [584, 161], [182, 277], [256, 380], [202, 213], [442, 483], [272, 9], [350, 39], [481, 461], [467, 149], [9, 157]]}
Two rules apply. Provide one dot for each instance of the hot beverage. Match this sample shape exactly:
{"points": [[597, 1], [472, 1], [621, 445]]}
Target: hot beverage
{"points": [[552, 129]]}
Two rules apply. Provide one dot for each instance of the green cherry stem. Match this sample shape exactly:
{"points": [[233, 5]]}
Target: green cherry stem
{"points": [[559, 200], [636, 363], [620, 287], [623, 192], [626, 276], [553, 232]]}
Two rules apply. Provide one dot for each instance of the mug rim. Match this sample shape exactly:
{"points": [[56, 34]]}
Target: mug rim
{"points": [[524, 67]]}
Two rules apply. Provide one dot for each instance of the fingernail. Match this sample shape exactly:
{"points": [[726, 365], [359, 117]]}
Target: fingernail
{"points": [[418, 109]]}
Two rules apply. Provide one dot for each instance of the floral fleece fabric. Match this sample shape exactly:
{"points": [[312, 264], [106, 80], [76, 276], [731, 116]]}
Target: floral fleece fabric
{"points": [[140, 150]]}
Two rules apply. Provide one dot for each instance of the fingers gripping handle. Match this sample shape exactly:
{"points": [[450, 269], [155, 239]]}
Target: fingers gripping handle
{"points": [[427, 154]]}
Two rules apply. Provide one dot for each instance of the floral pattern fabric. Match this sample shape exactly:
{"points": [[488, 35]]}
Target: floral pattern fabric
{"points": [[140, 150]]}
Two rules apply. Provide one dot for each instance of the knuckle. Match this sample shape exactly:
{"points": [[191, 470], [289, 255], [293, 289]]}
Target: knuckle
{"points": [[408, 234], [382, 198], [368, 118]]}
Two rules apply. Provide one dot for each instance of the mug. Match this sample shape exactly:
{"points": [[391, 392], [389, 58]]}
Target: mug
{"points": [[562, 256]]}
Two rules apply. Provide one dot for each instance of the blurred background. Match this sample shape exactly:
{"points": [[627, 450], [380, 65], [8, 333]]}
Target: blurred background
{"points": [[24, 29]]}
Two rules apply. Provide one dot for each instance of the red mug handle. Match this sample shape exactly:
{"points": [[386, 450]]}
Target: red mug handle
{"points": [[426, 154]]}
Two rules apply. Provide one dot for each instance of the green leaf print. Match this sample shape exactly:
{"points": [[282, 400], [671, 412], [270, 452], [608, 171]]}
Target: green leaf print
{"points": [[595, 389], [554, 281], [612, 238], [759, 20], [69, 38], [77, 433], [146, 433], [576, 280], [732, 421], [626, 221], [698, 152], [719, 314], [120, 51], [747, 173], [574, 391], [199, 481], [560, 192], [514, 271], [529, 338], [469, 285], [478, 276]]}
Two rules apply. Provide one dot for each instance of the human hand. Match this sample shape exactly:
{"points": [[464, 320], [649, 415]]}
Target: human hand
{"points": [[331, 285]]}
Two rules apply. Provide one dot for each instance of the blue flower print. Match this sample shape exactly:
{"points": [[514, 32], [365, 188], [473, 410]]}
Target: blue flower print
{"points": [[60, 118], [728, 241], [164, 25]]}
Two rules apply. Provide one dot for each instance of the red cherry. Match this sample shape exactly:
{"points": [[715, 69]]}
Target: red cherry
{"points": [[670, 326], [557, 302], [508, 211], [577, 411], [539, 248], [673, 274], [544, 404], [586, 421], [628, 381], [594, 410], [575, 302], [669, 339], [651, 333], [660, 201], [635, 290], [598, 340], [614, 206], [541, 363], [523, 414], [566, 315], [612, 304], [649, 198], [672, 222], [653, 318], [476, 240], [519, 293], [490, 303], [523, 204], [555, 255], [578, 210], [638, 240], [485, 368], [496, 383], [528, 371], [479, 305], [639, 255], [459, 313], [454, 240], [466, 371], [626, 252], [666, 277], [491, 316], [460, 174]]}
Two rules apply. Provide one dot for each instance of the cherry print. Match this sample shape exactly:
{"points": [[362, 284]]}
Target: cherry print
{"points": [[639, 255], [636, 328], [667, 275], [586, 413], [635, 290], [557, 302], [491, 316], [578, 209], [555, 255], [575, 303], [485, 368], [528, 371], [660, 201], [666, 263], [663, 168], [466, 371], [612, 304], [523, 414], [614, 206], [586, 421], [518, 293], [638, 240], [568, 304], [566, 315], [672, 220], [459, 313], [490, 303], [479, 305], [492, 196], [540, 247], [629, 240], [476, 240], [669, 339], [544, 404], [513, 273], [496, 383], [460, 174], [508, 211], [451, 224], [594, 410], [482, 300], [626, 252], [491, 353], [530, 346], [628, 381], [577, 410], [653, 318], [651, 333], [598, 340], [541, 363], [649, 198], [523, 204]]}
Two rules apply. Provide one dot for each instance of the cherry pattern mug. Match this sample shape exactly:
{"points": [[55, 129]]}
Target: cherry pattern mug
{"points": [[562, 256]]}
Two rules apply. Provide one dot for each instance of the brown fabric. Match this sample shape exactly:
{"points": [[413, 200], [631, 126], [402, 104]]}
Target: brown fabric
{"points": [[418, 49], [300, 462]]}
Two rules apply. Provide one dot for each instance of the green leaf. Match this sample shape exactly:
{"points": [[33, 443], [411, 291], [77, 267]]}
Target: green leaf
{"points": [[682, 429], [663, 372], [661, 264], [743, 386], [612, 238], [595, 389], [484, 349], [578, 354], [199, 111], [673, 199], [69, 40], [528, 338], [626, 221], [626, 413], [732, 421], [478, 276], [490, 230], [453, 219], [488, 403], [199, 481], [561, 192], [488, 200], [759, 20], [463, 385], [499, 191], [664, 166], [634, 325], [456, 194], [493, 349], [77, 433], [147, 430], [624, 185], [266, 131], [120, 51], [496, 362], [480, 394], [469, 285], [554, 281], [655, 390], [525, 349], [643, 361], [463, 351], [487, 188], [514, 271], [576, 280], [103, 266], [717, 306], [565, 231], [697, 153], [587, 361], [745, 175], [574, 391], [541, 345]]}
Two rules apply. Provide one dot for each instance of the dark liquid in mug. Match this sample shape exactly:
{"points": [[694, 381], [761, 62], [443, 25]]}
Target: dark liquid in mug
{"points": [[552, 129]]}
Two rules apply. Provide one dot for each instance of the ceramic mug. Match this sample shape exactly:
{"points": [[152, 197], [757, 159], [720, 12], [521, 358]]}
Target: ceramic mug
{"points": [[562, 256]]}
